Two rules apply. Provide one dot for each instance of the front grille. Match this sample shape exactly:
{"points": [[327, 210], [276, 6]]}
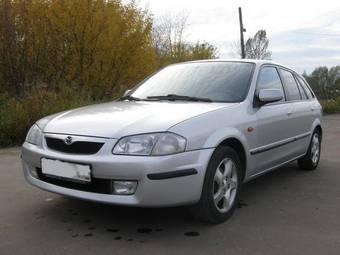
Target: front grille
{"points": [[97, 185], [77, 147]]}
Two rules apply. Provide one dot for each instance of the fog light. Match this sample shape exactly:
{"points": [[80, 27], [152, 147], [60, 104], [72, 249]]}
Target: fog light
{"points": [[34, 173], [124, 187]]}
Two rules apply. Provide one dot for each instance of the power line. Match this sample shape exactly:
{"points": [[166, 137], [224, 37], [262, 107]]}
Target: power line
{"points": [[318, 34]]}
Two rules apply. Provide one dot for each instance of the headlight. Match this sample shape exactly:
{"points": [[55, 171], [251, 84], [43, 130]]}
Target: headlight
{"points": [[34, 135], [150, 144], [169, 143]]}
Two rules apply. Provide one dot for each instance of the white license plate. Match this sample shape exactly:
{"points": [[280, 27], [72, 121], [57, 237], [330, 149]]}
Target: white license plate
{"points": [[67, 170]]}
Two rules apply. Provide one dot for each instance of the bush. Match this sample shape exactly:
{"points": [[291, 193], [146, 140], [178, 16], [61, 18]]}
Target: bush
{"points": [[13, 122], [17, 115], [330, 106]]}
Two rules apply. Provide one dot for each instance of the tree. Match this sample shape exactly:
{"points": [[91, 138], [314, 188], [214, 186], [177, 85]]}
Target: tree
{"points": [[255, 47], [99, 46], [12, 57], [325, 81], [170, 44], [168, 34], [201, 51], [57, 54]]}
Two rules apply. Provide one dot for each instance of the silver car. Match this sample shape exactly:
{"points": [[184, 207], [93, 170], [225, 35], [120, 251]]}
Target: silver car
{"points": [[191, 134]]}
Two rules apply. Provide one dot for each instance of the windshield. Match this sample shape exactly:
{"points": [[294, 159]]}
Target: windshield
{"points": [[217, 81]]}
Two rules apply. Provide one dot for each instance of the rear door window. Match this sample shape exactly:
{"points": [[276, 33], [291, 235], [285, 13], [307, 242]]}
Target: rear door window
{"points": [[291, 86]]}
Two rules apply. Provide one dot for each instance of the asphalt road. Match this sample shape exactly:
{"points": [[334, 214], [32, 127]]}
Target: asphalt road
{"points": [[287, 211]]}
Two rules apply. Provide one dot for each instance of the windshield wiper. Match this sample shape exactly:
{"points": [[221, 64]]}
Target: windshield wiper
{"points": [[174, 97], [130, 98]]}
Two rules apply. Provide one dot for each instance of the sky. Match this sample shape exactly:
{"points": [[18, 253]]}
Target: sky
{"points": [[302, 34]]}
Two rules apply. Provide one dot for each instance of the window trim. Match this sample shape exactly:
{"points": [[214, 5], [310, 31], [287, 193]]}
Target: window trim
{"points": [[278, 67], [297, 85], [255, 100], [307, 85], [301, 88]]}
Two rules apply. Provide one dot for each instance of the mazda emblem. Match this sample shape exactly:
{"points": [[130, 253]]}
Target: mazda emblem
{"points": [[68, 140]]}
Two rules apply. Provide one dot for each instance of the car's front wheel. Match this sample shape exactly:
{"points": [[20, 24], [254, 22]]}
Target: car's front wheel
{"points": [[222, 186]]}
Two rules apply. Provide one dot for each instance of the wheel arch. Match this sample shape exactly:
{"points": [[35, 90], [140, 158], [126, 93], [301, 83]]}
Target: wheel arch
{"points": [[238, 146], [319, 128]]}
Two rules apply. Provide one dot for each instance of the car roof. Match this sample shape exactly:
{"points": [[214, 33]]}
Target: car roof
{"points": [[258, 62]]}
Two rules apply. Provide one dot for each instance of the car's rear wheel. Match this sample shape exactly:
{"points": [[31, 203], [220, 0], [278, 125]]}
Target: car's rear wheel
{"points": [[222, 186], [311, 160]]}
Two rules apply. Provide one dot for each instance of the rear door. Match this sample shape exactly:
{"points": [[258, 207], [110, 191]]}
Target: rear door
{"points": [[301, 116], [272, 129], [309, 108]]}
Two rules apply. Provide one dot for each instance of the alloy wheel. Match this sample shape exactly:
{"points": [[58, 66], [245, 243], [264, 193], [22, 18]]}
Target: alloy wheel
{"points": [[225, 185], [315, 148]]}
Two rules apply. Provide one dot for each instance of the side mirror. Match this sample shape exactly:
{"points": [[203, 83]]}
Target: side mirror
{"points": [[266, 96], [126, 92]]}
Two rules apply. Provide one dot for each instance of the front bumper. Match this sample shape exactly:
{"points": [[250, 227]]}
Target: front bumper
{"points": [[150, 192]]}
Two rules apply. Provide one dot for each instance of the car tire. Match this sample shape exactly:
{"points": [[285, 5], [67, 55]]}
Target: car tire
{"points": [[221, 188], [311, 160]]}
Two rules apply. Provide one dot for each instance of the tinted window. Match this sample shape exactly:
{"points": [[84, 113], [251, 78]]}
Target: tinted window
{"points": [[269, 79], [303, 93], [218, 81], [306, 89], [292, 89]]}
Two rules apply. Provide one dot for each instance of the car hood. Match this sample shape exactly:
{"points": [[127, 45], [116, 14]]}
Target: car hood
{"points": [[121, 118]]}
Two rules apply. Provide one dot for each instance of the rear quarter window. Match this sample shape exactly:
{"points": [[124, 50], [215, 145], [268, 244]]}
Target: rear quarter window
{"points": [[302, 90], [305, 87]]}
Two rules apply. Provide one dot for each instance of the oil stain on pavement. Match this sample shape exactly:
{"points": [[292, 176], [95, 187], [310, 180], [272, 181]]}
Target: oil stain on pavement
{"points": [[142, 231]]}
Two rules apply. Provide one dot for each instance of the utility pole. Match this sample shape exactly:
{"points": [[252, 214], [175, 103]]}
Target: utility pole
{"points": [[242, 29]]}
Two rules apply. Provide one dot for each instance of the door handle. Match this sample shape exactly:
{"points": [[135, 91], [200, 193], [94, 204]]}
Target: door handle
{"points": [[289, 112]]}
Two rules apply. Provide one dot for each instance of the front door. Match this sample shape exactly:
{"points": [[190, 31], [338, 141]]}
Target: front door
{"points": [[273, 125]]}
